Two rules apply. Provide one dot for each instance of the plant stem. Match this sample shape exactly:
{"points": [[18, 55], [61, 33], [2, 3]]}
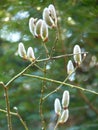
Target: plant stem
{"points": [[7, 98], [12, 113], [58, 57], [7, 108], [19, 74], [41, 100], [39, 67], [59, 82], [56, 125], [46, 49], [24, 124], [41, 110], [42, 60], [59, 85], [16, 114]]}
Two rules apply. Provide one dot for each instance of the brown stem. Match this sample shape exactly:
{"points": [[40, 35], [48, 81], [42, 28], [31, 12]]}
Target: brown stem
{"points": [[56, 125], [46, 49], [24, 124], [41, 100], [41, 112], [59, 82], [19, 74], [58, 57], [8, 108], [16, 114], [41, 108]]}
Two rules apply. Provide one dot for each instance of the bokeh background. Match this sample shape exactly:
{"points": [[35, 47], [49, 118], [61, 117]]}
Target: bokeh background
{"points": [[78, 24]]}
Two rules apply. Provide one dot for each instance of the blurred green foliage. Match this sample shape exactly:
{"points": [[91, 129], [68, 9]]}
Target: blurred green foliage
{"points": [[78, 24]]}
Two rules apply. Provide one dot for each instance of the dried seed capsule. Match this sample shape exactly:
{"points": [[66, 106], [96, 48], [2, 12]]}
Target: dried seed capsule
{"points": [[37, 29], [44, 31], [65, 99], [53, 14], [32, 23], [70, 71], [21, 50], [57, 106], [47, 18], [64, 116], [70, 67], [30, 54], [77, 54]]}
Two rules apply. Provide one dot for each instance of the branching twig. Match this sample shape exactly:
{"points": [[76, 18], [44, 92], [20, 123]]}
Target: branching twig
{"points": [[12, 113], [42, 60], [59, 82], [39, 67], [58, 57], [7, 106], [6, 87], [19, 74], [62, 82], [16, 114]]}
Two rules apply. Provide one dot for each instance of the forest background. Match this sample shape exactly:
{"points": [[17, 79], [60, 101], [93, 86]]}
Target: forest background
{"points": [[78, 24]]}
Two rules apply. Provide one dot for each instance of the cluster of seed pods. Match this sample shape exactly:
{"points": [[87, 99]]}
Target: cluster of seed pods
{"points": [[39, 27]]}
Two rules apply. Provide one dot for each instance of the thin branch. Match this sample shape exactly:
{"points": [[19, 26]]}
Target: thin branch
{"points": [[56, 125], [41, 109], [60, 82], [12, 113], [63, 81], [59, 85], [41, 100], [58, 57], [54, 46], [39, 67], [2, 84], [23, 123], [16, 114], [42, 60], [46, 49], [7, 108], [19, 74]]}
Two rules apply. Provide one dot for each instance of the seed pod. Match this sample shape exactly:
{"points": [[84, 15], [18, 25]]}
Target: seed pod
{"points": [[21, 50], [44, 31], [53, 14], [70, 67], [47, 18], [37, 29], [65, 99], [64, 116], [77, 54], [32, 24], [30, 54], [57, 106]]}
